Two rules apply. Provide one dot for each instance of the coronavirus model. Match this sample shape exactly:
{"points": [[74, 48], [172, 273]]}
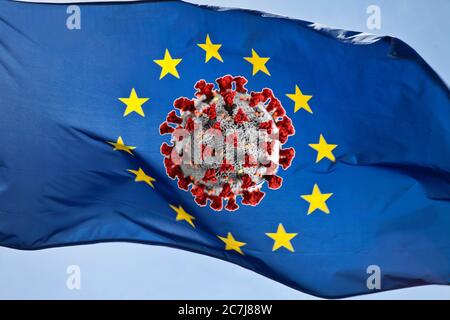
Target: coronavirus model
{"points": [[227, 143]]}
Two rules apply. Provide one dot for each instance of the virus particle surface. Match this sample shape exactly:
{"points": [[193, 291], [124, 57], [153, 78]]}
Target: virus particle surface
{"points": [[227, 143]]}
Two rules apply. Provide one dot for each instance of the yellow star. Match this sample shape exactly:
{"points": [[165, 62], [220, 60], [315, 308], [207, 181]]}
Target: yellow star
{"points": [[182, 215], [282, 238], [317, 200], [141, 176], [232, 244], [211, 49], [259, 63], [168, 65], [120, 146], [324, 150], [300, 99], [134, 103]]}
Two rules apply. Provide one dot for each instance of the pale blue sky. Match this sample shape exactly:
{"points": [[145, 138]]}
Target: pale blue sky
{"points": [[134, 271]]}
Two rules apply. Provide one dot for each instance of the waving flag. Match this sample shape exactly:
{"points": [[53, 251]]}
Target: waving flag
{"points": [[317, 157]]}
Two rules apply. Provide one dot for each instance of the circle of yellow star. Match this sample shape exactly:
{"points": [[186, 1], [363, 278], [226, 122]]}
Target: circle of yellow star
{"points": [[141, 176], [232, 244], [282, 238], [324, 149], [317, 200], [120, 146], [133, 103], [300, 99], [168, 65], [259, 63], [211, 49], [182, 215]]}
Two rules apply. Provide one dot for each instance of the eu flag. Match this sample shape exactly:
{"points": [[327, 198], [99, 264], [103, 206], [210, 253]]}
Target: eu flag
{"points": [[317, 157]]}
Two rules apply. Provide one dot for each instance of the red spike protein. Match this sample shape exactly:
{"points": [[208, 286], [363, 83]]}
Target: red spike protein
{"points": [[227, 142]]}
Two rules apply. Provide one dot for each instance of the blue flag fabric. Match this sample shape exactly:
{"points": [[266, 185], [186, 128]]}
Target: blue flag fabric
{"points": [[357, 202]]}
